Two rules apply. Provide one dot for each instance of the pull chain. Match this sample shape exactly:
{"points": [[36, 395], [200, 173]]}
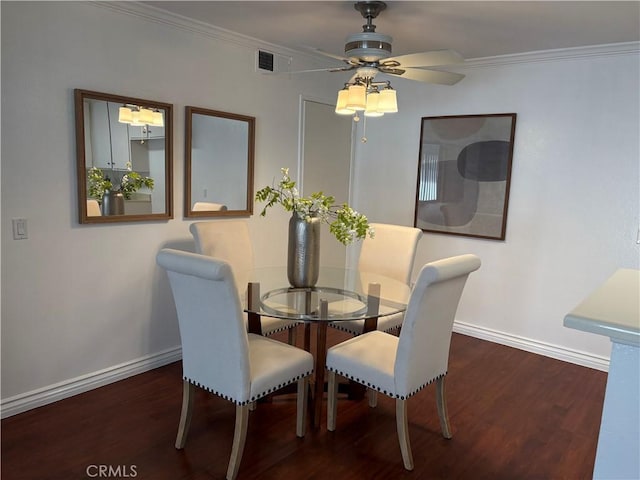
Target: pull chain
{"points": [[364, 130]]}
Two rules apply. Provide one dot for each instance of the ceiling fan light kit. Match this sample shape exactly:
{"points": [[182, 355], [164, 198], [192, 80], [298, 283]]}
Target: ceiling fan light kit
{"points": [[369, 53], [364, 95]]}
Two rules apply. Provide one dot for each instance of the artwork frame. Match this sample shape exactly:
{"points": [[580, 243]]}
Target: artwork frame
{"points": [[464, 174]]}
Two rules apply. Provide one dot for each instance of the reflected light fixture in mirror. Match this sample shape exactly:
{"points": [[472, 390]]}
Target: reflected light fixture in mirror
{"points": [[140, 116]]}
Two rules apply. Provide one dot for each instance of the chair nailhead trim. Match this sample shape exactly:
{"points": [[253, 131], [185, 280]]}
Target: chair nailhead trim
{"points": [[337, 326], [253, 398], [281, 329], [379, 389]]}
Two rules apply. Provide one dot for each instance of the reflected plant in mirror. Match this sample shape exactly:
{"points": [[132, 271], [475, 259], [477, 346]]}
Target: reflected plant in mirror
{"points": [[124, 158], [219, 154], [108, 191]]}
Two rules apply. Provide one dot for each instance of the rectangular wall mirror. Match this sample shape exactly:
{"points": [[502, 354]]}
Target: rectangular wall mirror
{"points": [[219, 153], [124, 158]]}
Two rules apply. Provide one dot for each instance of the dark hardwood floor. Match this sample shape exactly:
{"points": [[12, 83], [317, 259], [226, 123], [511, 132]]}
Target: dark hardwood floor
{"points": [[514, 415]]}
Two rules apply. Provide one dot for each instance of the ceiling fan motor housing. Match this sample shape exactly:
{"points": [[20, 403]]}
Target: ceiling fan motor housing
{"points": [[368, 46]]}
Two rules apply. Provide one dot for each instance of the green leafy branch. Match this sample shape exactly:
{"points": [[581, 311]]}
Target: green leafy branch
{"points": [[345, 223]]}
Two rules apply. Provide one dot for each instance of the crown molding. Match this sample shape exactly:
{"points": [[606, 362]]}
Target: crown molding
{"points": [[560, 54], [154, 14]]}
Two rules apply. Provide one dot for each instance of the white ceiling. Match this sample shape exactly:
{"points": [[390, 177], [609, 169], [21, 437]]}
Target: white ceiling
{"points": [[475, 29]]}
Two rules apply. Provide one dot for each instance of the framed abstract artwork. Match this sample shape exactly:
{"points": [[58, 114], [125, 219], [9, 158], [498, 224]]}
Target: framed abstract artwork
{"points": [[464, 174]]}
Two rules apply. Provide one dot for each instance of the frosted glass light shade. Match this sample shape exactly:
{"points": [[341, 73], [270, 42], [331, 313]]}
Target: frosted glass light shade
{"points": [[146, 115], [357, 99], [388, 102], [157, 120], [124, 115], [341, 103], [372, 105], [135, 119]]}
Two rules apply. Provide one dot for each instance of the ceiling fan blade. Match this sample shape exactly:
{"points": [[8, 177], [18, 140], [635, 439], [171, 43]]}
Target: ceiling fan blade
{"points": [[428, 76], [328, 69], [331, 55], [426, 59]]}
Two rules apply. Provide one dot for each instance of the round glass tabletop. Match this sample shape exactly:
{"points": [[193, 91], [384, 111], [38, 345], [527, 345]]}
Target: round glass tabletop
{"points": [[347, 292]]}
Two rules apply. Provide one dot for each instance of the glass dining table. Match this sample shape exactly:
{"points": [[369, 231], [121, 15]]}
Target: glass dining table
{"points": [[340, 295]]}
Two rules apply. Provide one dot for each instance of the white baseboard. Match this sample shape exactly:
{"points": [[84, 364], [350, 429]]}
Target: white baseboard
{"points": [[43, 396], [533, 346], [68, 388]]}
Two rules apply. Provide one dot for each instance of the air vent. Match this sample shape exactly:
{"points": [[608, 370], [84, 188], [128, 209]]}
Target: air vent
{"points": [[265, 61]]}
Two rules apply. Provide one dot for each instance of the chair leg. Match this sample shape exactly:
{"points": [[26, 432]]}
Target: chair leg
{"points": [[332, 394], [291, 340], [301, 417], [239, 437], [441, 401], [403, 433], [373, 397], [185, 414]]}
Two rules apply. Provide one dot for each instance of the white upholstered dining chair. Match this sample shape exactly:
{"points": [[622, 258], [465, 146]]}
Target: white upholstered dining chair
{"points": [[230, 241], [401, 366], [391, 252], [209, 207], [219, 355], [93, 208]]}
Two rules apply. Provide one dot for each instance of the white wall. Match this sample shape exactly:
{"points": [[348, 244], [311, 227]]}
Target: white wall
{"points": [[574, 206], [80, 299], [80, 302]]}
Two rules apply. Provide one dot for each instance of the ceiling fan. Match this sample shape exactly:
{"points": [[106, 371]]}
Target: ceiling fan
{"points": [[369, 53]]}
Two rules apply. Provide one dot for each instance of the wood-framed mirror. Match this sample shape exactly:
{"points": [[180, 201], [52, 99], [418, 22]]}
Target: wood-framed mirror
{"points": [[124, 149], [219, 156]]}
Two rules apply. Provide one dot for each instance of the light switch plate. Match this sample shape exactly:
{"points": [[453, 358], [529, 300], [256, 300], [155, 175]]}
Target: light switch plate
{"points": [[19, 228]]}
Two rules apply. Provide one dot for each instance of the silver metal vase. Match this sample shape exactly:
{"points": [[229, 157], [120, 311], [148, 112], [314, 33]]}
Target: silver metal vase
{"points": [[303, 260], [112, 203]]}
